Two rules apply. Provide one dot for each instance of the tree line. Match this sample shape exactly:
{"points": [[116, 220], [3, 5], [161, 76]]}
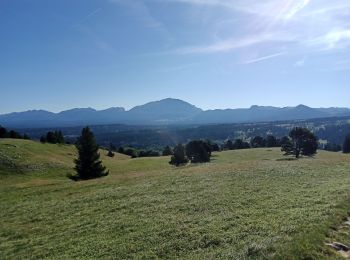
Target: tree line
{"points": [[53, 137], [4, 133], [300, 141]]}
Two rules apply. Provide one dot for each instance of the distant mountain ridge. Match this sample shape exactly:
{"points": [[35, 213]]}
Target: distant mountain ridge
{"points": [[166, 111]]}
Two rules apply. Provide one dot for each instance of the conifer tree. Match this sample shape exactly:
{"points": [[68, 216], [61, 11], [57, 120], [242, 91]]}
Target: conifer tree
{"points": [[88, 164]]}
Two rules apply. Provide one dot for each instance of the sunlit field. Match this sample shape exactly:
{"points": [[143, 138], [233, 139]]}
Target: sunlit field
{"points": [[244, 204]]}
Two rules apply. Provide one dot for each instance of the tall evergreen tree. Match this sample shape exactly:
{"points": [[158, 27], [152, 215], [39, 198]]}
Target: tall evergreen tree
{"points": [[88, 164], [346, 145]]}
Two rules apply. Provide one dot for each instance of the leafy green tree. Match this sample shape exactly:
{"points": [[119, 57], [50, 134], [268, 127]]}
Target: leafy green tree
{"points": [[179, 157], [346, 144], [198, 151], [303, 142], [167, 151], [88, 164]]}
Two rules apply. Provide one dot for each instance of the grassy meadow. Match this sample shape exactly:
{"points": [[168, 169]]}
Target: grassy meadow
{"points": [[244, 204]]}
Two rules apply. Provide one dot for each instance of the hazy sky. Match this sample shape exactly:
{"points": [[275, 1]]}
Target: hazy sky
{"points": [[61, 54]]}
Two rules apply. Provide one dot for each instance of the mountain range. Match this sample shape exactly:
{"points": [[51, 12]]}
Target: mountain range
{"points": [[166, 111]]}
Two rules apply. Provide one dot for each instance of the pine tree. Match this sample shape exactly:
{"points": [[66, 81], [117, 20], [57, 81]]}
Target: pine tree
{"points": [[88, 165]]}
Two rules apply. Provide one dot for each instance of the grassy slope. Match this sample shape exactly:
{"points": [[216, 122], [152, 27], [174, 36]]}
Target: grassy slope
{"points": [[244, 204]]}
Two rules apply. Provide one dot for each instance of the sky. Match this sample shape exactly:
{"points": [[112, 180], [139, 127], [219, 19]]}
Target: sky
{"points": [[56, 55]]}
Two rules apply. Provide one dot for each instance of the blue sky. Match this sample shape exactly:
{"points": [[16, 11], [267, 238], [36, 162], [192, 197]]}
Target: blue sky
{"points": [[56, 55]]}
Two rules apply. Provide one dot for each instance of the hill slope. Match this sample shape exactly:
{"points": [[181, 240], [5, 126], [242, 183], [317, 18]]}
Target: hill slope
{"points": [[244, 204]]}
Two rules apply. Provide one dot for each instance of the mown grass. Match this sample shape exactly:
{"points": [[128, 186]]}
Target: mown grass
{"points": [[244, 204]]}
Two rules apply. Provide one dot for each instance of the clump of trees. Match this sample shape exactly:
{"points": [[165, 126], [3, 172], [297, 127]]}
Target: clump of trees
{"points": [[331, 147], [198, 151], [255, 142], [4, 133], [236, 145], [346, 144], [134, 153], [55, 137], [271, 141], [301, 142], [149, 153], [258, 142], [167, 151], [88, 164], [179, 157]]}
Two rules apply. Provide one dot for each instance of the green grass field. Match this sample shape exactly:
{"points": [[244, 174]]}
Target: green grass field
{"points": [[244, 204]]}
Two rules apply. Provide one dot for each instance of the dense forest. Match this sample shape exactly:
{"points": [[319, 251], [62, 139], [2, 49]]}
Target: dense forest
{"points": [[331, 131]]}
